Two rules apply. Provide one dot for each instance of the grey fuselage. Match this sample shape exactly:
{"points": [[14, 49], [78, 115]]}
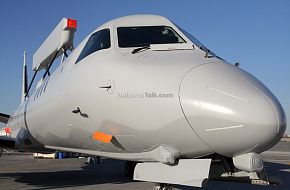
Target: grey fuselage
{"points": [[189, 104]]}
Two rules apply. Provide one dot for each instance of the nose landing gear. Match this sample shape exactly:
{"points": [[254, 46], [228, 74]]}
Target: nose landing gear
{"points": [[162, 186]]}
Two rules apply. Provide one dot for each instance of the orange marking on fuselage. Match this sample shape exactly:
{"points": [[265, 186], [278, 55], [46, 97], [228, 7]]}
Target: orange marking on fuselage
{"points": [[103, 137]]}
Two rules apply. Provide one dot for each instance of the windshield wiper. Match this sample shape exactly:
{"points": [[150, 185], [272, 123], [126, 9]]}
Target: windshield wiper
{"points": [[140, 49], [208, 53]]}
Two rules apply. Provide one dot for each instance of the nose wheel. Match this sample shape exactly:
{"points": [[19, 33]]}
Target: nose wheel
{"points": [[162, 186]]}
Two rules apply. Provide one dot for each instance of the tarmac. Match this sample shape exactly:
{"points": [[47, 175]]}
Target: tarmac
{"points": [[22, 171]]}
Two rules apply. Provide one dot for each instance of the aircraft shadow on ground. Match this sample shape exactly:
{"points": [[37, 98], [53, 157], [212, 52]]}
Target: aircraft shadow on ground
{"points": [[112, 173], [87, 175]]}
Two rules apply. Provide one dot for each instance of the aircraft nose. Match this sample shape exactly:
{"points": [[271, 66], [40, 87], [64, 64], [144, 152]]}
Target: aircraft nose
{"points": [[230, 110]]}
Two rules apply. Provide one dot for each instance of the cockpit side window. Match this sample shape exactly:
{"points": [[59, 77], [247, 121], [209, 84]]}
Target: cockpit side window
{"points": [[146, 35], [98, 41]]}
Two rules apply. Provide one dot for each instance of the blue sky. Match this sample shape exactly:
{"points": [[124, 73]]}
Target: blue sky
{"points": [[255, 33]]}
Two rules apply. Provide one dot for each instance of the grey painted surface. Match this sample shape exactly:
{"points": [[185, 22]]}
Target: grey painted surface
{"points": [[210, 106]]}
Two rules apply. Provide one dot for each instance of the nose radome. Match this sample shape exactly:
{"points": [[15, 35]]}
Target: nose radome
{"points": [[231, 110], [272, 114]]}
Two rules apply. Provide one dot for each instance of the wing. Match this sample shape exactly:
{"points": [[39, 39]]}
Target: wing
{"points": [[4, 118]]}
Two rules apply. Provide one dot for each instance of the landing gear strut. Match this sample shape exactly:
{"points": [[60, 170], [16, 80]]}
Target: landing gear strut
{"points": [[129, 168]]}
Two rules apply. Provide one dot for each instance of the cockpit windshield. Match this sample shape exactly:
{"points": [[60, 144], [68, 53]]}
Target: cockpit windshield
{"points": [[145, 35], [196, 42]]}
